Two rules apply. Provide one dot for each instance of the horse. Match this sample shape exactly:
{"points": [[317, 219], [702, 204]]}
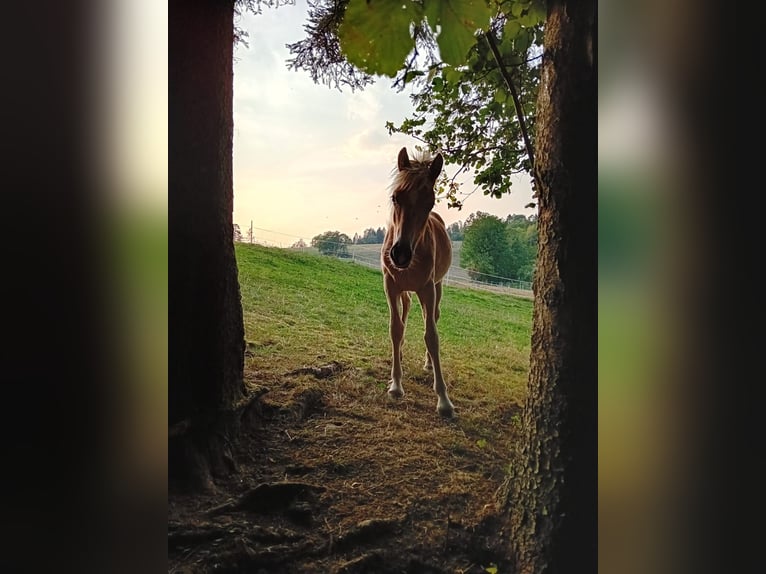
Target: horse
{"points": [[415, 256]]}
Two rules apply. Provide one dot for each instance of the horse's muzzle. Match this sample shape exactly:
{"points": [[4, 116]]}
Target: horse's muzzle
{"points": [[401, 254]]}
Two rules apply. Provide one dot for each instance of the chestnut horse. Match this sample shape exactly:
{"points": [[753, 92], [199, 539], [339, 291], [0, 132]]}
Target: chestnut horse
{"points": [[415, 257]]}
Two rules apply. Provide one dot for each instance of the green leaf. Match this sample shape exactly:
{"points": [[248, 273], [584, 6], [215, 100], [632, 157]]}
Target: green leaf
{"points": [[506, 44], [459, 20], [511, 29], [538, 11], [529, 20], [375, 36], [437, 83], [522, 41], [478, 65], [452, 75], [412, 74]]}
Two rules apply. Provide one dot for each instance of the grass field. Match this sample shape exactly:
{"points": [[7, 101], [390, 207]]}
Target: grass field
{"points": [[301, 309], [369, 254]]}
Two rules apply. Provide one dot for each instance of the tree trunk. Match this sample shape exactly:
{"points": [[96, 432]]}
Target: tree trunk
{"points": [[206, 345], [550, 492]]}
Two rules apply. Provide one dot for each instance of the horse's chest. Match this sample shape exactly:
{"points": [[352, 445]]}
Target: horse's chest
{"points": [[418, 274]]}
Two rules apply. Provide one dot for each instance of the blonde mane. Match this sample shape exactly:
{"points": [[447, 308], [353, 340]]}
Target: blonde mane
{"points": [[414, 177]]}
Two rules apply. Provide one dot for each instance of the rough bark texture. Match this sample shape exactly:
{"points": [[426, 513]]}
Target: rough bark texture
{"points": [[551, 489], [206, 346]]}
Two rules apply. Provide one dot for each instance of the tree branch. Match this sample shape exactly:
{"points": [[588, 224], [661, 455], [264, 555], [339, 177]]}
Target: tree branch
{"points": [[516, 102]]}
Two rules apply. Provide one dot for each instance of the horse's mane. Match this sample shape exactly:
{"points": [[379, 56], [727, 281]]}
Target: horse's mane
{"points": [[413, 177]]}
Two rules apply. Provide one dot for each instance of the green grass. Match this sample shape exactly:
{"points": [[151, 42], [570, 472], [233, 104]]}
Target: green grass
{"points": [[302, 309]]}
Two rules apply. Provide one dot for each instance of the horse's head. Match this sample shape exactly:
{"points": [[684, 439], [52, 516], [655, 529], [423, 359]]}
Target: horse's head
{"points": [[412, 200]]}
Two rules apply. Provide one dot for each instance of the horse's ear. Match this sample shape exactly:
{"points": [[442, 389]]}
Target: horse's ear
{"points": [[436, 166], [403, 159]]}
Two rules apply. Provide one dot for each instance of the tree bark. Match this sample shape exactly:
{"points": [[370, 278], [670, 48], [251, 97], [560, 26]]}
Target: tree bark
{"points": [[206, 345], [550, 492]]}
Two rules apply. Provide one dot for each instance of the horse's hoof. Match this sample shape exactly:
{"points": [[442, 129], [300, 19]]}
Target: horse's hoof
{"points": [[447, 411], [395, 392]]}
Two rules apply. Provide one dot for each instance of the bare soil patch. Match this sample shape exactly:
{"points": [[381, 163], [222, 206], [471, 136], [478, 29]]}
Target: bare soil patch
{"points": [[335, 477]]}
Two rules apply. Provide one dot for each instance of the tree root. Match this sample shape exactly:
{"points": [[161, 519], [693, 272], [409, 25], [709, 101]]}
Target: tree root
{"points": [[323, 372]]}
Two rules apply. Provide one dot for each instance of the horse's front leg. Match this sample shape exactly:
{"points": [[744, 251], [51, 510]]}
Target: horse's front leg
{"points": [[428, 365], [396, 332], [406, 303], [428, 301]]}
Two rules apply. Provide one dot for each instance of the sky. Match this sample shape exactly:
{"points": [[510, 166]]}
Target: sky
{"points": [[309, 158]]}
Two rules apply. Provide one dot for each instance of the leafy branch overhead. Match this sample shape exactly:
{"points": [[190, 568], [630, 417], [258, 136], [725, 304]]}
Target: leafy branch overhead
{"points": [[376, 36], [472, 67]]}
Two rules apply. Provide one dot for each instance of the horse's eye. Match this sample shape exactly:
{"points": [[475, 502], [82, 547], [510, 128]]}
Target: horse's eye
{"points": [[393, 200]]}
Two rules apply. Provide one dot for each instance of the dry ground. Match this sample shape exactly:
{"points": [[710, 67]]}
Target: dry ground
{"points": [[335, 477]]}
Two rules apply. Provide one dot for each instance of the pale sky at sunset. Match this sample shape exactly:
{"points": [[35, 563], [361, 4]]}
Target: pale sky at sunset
{"points": [[308, 158]]}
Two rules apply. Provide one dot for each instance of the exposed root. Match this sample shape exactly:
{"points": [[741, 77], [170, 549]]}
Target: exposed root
{"points": [[266, 498], [323, 372]]}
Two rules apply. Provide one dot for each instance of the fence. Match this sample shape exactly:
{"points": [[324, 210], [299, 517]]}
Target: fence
{"points": [[368, 254]]}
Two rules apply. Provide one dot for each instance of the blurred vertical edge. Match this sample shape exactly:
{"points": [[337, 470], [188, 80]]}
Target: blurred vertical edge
{"points": [[84, 286], [661, 202]]}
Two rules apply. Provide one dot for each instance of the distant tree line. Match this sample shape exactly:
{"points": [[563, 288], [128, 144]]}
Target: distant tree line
{"points": [[375, 236], [370, 235]]}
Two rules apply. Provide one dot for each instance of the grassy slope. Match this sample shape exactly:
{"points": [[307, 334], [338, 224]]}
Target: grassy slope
{"points": [[302, 309]]}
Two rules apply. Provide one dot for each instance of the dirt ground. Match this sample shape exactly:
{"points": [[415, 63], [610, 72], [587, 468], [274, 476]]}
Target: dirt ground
{"points": [[335, 477]]}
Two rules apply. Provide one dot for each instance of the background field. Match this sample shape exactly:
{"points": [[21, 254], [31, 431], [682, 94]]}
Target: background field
{"points": [[368, 254]]}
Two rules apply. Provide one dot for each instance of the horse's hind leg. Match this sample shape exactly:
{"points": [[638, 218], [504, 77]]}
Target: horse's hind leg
{"points": [[427, 297], [396, 333], [428, 366]]}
